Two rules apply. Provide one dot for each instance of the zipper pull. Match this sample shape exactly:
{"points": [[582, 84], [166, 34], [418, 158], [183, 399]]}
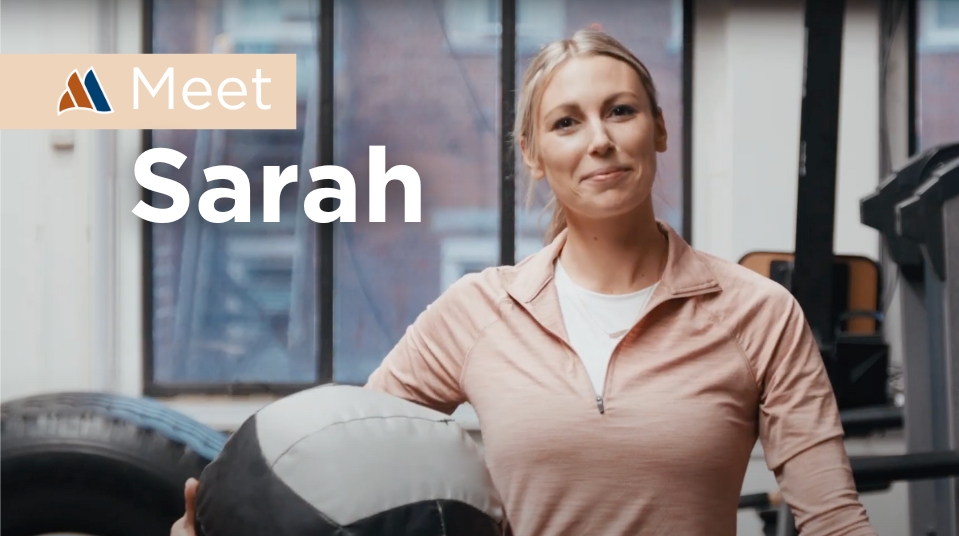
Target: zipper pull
{"points": [[599, 404]]}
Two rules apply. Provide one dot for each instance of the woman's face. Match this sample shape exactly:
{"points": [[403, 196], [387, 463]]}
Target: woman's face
{"points": [[597, 138]]}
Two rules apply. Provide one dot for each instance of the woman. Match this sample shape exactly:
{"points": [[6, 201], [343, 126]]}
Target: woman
{"points": [[620, 377]]}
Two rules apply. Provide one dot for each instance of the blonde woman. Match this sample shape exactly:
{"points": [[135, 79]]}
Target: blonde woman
{"points": [[621, 378]]}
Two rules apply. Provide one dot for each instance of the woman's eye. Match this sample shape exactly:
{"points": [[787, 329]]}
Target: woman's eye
{"points": [[623, 109], [565, 122]]}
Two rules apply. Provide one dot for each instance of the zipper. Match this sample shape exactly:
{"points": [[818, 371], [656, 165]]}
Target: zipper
{"points": [[650, 307], [600, 402]]}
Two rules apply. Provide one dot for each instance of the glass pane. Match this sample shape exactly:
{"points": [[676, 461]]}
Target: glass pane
{"points": [[937, 72], [653, 31], [235, 302], [420, 77]]}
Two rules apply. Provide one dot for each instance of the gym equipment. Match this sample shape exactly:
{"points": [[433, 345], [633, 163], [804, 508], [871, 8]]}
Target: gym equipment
{"points": [[818, 149], [98, 464], [339, 459], [871, 473], [856, 286], [855, 360], [877, 209], [856, 356], [917, 213]]}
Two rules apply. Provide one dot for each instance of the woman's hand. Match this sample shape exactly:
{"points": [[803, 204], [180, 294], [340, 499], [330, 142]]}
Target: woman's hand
{"points": [[184, 525]]}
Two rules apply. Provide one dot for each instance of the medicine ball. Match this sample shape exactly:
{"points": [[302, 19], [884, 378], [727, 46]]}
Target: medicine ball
{"points": [[344, 460]]}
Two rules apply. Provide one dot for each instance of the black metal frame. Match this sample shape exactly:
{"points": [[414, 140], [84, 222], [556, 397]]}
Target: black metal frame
{"points": [[325, 243], [325, 237], [912, 20], [687, 171], [507, 66], [146, 235], [819, 134]]}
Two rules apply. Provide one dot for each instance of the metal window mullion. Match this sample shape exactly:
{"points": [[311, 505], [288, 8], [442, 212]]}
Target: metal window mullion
{"points": [[507, 184], [913, 96], [324, 236], [146, 235], [687, 89]]}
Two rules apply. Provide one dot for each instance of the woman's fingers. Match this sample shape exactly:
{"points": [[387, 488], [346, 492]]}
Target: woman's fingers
{"points": [[189, 495]]}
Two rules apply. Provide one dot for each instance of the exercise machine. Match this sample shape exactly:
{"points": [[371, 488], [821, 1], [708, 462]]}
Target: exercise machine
{"points": [[917, 213]]}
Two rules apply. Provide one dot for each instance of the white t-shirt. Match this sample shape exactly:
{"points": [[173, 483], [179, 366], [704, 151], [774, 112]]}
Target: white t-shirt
{"points": [[597, 322]]}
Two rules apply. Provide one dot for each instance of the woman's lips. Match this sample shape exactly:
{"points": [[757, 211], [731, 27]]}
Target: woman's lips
{"points": [[606, 174]]}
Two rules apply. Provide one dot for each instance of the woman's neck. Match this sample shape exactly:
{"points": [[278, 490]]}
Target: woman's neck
{"points": [[615, 256]]}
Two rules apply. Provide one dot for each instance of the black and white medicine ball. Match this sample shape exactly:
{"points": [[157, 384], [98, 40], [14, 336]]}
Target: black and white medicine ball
{"points": [[348, 461]]}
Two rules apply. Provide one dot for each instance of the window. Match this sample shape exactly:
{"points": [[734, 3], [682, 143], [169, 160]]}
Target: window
{"points": [[937, 73], [938, 24], [234, 306], [674, 42], [474, 25], [462, 256], [465, 251]]}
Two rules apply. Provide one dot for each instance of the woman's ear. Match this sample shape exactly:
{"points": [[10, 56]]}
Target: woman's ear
{"points": [[535, 170], [661, 135]]}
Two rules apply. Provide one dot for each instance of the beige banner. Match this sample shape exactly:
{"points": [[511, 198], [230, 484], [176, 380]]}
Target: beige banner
{"points": [[148, 91]]}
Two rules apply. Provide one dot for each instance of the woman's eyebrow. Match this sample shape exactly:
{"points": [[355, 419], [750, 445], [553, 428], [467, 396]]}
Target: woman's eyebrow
{"points": [[606, 102], [568, 106], [620, 95]]}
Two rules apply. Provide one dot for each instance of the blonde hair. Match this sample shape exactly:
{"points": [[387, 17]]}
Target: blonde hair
{"points": [[587, 42]]}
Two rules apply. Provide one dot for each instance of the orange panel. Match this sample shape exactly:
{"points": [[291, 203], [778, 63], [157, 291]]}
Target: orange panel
{"points": [[863, 283]]}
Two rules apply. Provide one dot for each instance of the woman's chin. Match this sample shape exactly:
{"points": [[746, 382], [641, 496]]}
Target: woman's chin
{"points": [[610, 209]]}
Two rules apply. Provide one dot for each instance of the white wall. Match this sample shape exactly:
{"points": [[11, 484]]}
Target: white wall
{"points": [[746, 111], [71, 248], [70, 264]]}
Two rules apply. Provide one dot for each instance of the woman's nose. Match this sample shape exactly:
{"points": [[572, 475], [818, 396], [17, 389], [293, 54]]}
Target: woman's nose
{"points": [[600, 142]]}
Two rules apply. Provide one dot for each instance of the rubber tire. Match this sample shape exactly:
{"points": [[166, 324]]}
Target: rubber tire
{"points": [[97, 464]]}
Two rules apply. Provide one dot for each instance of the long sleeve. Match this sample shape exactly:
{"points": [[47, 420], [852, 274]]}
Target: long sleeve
{"points": [[817, 484], [427, 363], [800, 429]]}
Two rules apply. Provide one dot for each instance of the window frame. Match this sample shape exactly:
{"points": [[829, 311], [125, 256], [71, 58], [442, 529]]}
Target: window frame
{"points": [[324, 237]]}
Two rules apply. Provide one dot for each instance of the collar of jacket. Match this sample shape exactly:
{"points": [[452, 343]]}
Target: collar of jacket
{"points": [[685, 275]]}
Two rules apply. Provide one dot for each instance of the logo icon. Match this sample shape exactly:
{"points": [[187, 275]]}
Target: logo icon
{"points": [[85, 95]]}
